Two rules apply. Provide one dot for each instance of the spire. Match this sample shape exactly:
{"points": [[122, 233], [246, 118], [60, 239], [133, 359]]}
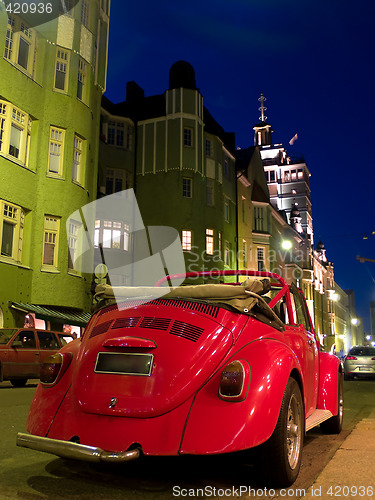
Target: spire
{"points": [[262, 130], [262, 108]]}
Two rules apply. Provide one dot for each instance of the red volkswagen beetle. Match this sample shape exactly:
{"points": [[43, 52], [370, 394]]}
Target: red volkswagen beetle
{"points": [[205, 369]]}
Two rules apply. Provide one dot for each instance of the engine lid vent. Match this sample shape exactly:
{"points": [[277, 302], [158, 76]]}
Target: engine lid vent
{"points": [[186, 330], [126, 322], [99, 329], [155, 323]]}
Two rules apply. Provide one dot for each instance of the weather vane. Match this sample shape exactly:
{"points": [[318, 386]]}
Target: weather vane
{"points": [[262, 108]]}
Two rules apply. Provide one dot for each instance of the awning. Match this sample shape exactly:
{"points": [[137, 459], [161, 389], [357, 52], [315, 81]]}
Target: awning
{"points": [[64, 315]]}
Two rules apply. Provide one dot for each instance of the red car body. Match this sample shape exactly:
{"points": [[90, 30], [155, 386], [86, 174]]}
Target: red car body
{"points": [[175, 393]]}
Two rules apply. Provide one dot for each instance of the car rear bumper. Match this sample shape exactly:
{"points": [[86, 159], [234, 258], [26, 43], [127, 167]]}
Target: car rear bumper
{"points": [[75, 451]]}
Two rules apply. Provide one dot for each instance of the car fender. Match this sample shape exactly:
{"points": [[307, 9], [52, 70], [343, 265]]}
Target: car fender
{"points": [[330, 370], [47, 399], [218, 426]]}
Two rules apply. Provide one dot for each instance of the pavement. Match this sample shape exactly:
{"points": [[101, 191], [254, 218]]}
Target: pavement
{"points": [[350, 473]]}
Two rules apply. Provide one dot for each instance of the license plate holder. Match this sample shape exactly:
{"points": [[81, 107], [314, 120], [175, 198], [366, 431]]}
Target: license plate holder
{"points": [[116, 363]]}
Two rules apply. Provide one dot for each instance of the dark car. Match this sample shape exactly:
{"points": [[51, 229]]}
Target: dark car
{"points": [[23, 350], [360, 361]]}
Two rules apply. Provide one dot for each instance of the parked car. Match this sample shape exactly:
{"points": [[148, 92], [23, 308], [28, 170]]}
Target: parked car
{"points": [[205, 369], [24, 350], [360, 361]]}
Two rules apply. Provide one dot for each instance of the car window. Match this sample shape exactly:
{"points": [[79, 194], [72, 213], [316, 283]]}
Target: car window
{"points": [[362, 351], [25, 340], [6, 334], [48, 340], [65, 339]]}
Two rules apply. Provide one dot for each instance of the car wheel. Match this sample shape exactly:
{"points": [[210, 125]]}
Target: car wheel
{"points": [[18, 382], [348, 376], [282, 453], [334, 424]]}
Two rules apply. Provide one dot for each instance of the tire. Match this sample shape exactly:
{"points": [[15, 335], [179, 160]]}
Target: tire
{"points": [[334, 424], [18, 382], [281, 455]]}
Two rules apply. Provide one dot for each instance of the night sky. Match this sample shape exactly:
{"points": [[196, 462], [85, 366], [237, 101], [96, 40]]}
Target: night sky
{"points": [[314, 62]]}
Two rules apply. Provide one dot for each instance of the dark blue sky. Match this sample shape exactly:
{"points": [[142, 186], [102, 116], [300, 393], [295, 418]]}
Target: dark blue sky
{"points": [[313, 60]]}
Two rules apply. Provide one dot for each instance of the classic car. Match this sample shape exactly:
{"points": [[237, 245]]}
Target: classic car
{"points": [[24, 350], [203, 369]]}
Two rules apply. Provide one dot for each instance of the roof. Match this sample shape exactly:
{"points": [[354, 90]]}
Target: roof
{"points": [[64, 315]]}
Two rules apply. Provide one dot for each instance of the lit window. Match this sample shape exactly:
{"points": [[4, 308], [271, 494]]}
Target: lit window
{"points": [[15, 131], [85, 12], [72, 243], [20, 44], [227, 256], [77, 160], [210, 241], [244, 253], [112, 234], [210, 192], [286, 176], [300, 173], [186, 240], [188, 137], [293, 174], [260, 259], [51, 240], [61, 72], [187, 187], [219, 235], [56, 151], [81, 83], [11, 230]]}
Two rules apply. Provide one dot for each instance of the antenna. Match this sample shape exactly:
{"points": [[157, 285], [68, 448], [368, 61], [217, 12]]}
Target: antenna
{"points": [[262, 108]]}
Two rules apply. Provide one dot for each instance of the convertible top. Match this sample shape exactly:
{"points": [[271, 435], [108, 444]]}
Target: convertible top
{"points": [[244, 298]]}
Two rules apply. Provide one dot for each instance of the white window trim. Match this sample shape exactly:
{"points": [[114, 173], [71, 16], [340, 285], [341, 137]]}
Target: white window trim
{"points": [[15, 215], [11, 116]]}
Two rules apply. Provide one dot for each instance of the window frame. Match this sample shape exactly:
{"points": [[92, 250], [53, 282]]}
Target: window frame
{"points": [[59, 62], [54, 232], [12, 116], [187, 187], [186, 240], [60, 143], [188, 137], [78, 160], [210, 242], [17, 220], [18, 32]]}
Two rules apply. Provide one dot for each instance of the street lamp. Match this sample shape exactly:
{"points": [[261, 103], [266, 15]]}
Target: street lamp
{"points": [[286, 244], [355, 321]]}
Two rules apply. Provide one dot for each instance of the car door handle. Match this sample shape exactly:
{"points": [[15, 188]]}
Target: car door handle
{"points": [[37, 354]]}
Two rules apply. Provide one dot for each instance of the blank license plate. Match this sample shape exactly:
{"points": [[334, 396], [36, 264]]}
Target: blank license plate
{"points": [[124, 363], [364, 369]]}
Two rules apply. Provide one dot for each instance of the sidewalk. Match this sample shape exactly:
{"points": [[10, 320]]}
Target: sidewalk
{"points": [[351, 472]]}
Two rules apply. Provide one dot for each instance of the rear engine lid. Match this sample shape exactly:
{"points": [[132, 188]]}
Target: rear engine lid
{"points": [[147, 360]]}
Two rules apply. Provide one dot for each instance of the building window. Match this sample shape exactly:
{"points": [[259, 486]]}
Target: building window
{"points": [[15, 131], [51, 240], [226, 210], [186, 240], [219, 244], [244, 253], [112, 234], [20, 44], [243, 208], [227, 255], [188, 137], [11, 230], [259, 223], [210, 241], [187, 183], [208, 148], [300, 173], [56, 151], [260, 259], [287, 176], [61, 72], [116, 180], [210, 192], [85, 13], [116, 134], [77, 160], [270, 176], [66, 7], [81, 83], [293, 174], [226, 167], [72, 243]]}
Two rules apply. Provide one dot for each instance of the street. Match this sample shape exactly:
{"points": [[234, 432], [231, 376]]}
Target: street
{"points": [[30, 475]]}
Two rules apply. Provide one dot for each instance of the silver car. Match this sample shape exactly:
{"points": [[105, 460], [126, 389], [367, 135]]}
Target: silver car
{"points": [[360, 361]]}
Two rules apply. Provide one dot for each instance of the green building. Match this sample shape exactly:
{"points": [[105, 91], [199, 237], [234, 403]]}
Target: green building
{"points": [[52, 80], [181, 164]]}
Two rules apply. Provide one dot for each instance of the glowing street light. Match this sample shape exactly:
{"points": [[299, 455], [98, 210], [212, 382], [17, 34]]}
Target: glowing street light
{"points": [[286, 245], [355, 321]]}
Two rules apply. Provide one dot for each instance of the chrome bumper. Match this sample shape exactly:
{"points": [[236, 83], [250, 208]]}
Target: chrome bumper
{"points": [[75, 451]]}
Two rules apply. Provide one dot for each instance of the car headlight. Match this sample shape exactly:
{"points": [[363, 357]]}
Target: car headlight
{"points": [[54, 368], [234, 381]]}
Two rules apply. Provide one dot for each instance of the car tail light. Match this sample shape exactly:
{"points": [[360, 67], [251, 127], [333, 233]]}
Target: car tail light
{"points": [[234, 381], [349, 358], [373, 359], [54, 368]]}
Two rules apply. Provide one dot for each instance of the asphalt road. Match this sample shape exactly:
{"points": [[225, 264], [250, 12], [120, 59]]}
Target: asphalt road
{"points": [[30, 475]]}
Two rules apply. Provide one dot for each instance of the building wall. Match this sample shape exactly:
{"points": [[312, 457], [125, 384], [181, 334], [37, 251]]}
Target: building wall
{"points": [[34, 185]]}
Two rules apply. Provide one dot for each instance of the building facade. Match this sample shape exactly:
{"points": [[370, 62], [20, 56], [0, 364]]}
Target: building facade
{"points": [[52, 80]]}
